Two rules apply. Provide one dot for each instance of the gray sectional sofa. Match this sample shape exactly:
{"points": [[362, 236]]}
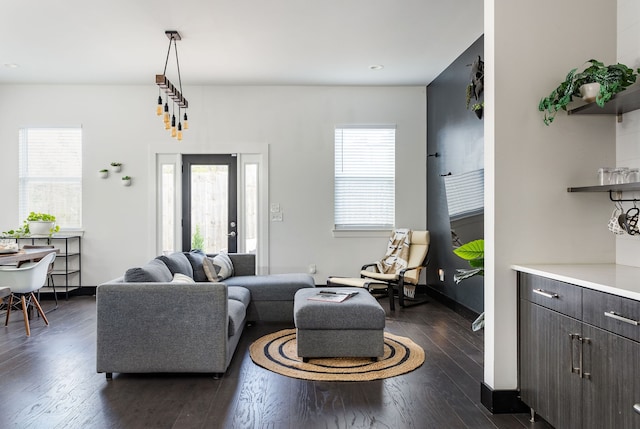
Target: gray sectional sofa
{"points": [[150, 320]]}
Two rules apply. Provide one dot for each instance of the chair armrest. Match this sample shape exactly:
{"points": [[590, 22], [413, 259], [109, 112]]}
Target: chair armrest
{"points": [[364, 267]]}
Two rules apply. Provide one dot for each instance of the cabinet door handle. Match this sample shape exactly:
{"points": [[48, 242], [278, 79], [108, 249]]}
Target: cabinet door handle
{"points": [[545, 293], [636, 408], [573, 369], [614, 315], [583, 374]]}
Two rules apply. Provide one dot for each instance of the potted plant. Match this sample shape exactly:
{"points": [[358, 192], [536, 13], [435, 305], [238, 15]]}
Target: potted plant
{"points": [[103, 174], [609, 81], [35, 224], [126, 181], [116, 167], [473, 252]]}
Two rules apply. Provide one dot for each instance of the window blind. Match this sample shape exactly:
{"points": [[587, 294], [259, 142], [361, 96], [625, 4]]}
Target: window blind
{"points": [[364, 178], [50, 174], [465, 194]]}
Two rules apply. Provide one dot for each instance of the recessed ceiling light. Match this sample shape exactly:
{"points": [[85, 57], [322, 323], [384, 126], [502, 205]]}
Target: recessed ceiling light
{"points": [[376, 67], [11, 65]]}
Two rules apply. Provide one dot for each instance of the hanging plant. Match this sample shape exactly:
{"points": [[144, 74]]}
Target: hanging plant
{"points": [[475, 88]]}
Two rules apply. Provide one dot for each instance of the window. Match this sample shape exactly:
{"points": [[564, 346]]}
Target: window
{"points": [[364, 177], [50, 174]]}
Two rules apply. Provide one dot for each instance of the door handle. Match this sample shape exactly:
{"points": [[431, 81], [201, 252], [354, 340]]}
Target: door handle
{"points": [[574, 370], [614, 315], [232, 234], [545, 293], [583, 374]]}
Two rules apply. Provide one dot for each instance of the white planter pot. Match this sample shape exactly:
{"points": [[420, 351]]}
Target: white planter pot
{"points": [[40, 227], [126, 182], [116, 168], [590, 91], [103, 174]]}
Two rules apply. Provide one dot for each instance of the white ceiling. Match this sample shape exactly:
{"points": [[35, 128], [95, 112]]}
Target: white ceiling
{"points": [[273, 42]]}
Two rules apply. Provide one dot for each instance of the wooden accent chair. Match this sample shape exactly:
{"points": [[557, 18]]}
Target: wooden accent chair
{"points": [[372, 279]]}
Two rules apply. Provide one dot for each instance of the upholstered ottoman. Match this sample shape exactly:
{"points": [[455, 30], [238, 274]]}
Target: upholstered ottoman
{"points": [[351, 328]]}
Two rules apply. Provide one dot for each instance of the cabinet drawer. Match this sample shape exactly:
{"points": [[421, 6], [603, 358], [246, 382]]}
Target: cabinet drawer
{"points": [[562, 297], [612, 313]]}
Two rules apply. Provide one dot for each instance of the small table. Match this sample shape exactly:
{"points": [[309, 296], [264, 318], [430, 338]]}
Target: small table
{"points": [[25, 255]]}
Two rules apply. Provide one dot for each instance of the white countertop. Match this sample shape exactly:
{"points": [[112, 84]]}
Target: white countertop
{"points": [[615, 279]]}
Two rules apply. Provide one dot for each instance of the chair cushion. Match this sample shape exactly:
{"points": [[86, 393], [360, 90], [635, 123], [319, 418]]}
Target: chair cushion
{"points": [[273, 287], [239, 294], [218, 268], [391, 277], [195, 258], [177, 263], [155, 271], [237, 314]]}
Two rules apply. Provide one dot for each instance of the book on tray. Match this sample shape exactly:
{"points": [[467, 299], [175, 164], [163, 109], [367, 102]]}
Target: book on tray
{"points": [[332, 296]]}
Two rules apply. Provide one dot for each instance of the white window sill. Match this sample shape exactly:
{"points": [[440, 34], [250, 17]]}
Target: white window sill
{"points": [[355, 233]]}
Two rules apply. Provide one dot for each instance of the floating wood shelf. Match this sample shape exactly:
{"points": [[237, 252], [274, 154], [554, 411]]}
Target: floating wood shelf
{"points": [[623, 102], [626, 187]]}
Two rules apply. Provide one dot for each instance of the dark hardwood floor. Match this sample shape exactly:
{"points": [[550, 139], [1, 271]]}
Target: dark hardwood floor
{"points": [[49, 381]]}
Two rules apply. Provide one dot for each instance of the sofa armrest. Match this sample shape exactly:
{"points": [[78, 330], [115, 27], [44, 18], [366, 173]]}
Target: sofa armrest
{"points": [[162, 327]]}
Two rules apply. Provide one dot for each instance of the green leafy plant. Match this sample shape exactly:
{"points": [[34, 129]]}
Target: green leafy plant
{"points": [[612, 79], [104, 170], [126, 178], [116, 164], [473, 252], [197, 241], [33, 217]]}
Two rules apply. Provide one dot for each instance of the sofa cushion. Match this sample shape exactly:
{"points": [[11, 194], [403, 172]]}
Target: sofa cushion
{"points": [[181, 278], [195, 258], [272, 287], [177, 263], [154, 271], [237, 314], [240, 294], [218, 268]]}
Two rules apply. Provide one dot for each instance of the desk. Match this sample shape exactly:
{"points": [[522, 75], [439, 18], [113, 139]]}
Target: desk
{"points": [[25, 255]]}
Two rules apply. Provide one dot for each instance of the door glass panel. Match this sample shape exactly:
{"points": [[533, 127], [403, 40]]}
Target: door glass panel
{"points": [[168, 207], [209, 207], [251, 207]]}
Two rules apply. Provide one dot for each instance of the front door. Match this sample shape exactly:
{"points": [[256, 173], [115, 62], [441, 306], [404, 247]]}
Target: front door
{"points": [[209, 203]]}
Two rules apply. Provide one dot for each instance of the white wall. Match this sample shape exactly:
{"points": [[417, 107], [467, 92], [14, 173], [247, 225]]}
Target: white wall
{"points": [[529, 216], [628, 132], [119, 124]]}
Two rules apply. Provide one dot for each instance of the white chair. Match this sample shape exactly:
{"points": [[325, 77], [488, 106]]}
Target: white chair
{"points": [[23, 282]]}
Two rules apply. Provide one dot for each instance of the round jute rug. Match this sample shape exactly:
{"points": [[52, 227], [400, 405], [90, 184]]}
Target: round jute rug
{"points": [[277, 352]]}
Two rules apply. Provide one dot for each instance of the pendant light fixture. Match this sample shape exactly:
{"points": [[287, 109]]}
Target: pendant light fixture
{"points": [[171, 92]]}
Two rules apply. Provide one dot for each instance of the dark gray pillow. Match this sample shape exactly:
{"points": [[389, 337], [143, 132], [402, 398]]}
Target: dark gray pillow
{"points": [[177, 263], [196, 257], [155, 271]]}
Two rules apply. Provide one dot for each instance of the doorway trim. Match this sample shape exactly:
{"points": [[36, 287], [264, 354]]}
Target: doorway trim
{"points": [[248, 153]]}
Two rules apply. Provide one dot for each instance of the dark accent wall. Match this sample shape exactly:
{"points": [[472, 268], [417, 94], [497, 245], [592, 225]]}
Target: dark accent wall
{"points": [[457, 135]]}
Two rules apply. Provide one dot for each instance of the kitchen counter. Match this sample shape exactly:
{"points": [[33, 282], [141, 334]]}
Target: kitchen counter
{"points": [[621, 280]]}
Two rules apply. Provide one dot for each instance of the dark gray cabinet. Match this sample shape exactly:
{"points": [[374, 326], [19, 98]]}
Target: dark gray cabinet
{"points": [[576, 369]]}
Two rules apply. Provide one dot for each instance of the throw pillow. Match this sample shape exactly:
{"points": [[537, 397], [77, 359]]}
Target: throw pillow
{"points": [[182, 278], [196, 258], [218, 268], [154, 271], [177, 262]]}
